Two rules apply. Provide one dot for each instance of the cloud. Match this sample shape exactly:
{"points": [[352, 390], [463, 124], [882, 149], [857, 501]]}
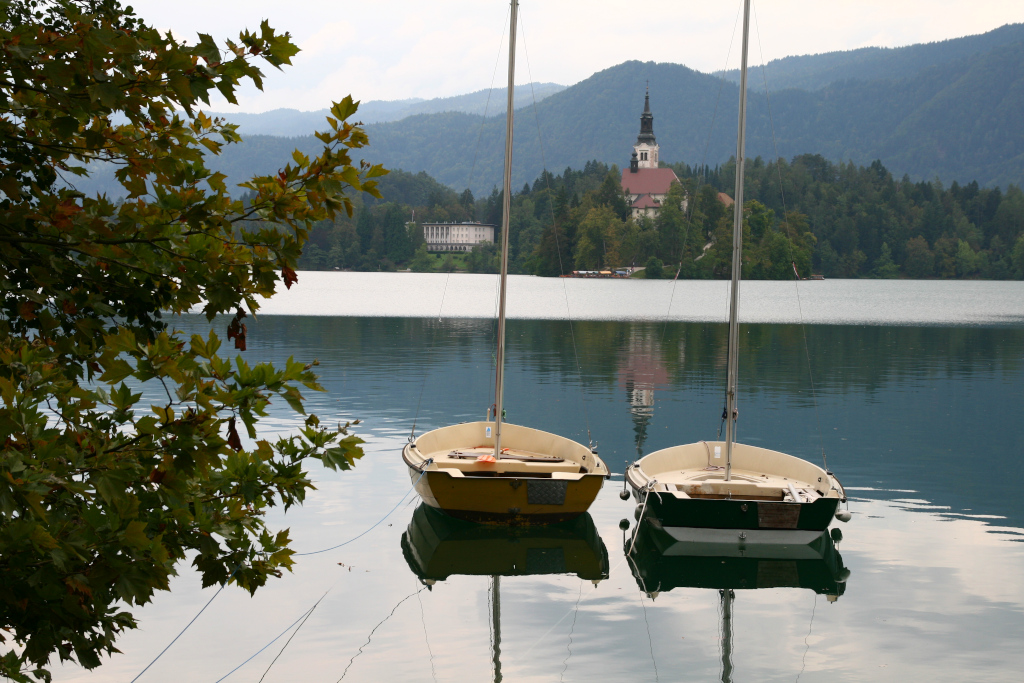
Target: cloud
{"points": [[395, 49]]}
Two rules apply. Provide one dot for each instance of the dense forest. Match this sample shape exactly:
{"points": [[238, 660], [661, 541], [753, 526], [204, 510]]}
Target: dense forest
{"points": [[839, 220]]}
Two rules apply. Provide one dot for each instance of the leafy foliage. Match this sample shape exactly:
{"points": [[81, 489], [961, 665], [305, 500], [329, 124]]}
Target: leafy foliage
{"points": [[101, 497]]}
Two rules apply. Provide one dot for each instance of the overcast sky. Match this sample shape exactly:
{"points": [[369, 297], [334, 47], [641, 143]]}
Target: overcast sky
{"points": [[394, 49]]}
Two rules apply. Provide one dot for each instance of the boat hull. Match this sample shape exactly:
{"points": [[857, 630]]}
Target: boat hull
{"points": [[504, 500], [770, 522]]}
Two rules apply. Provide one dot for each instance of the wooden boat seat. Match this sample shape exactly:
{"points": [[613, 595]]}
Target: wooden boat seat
{"points": [[711, 483], [512, 461]]}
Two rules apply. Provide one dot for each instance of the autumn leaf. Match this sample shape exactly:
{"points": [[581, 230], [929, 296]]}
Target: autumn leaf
{"points": [[289, 276]]}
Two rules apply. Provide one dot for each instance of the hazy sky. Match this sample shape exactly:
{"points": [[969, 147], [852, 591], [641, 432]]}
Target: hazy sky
{"points": [[394, 49]]}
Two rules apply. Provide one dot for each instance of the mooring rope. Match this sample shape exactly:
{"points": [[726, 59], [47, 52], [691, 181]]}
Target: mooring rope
{"points": [[302, 618], [203, 609], [375, 525], [370, 637]]}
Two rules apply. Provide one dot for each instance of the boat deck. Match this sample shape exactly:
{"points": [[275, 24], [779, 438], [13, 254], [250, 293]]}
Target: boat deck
{"points": [[512, 461], [710, 482]]}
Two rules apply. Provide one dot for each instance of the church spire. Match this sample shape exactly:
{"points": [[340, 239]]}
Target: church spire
{"points": [[646, 122], [645, 151]]}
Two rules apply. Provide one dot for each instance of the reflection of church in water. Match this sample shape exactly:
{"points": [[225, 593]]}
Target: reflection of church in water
{"points": [[641, 369]]}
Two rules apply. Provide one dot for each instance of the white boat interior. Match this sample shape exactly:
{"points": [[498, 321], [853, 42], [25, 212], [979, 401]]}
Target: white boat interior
{"points": [[467, 450], [697, 470]]}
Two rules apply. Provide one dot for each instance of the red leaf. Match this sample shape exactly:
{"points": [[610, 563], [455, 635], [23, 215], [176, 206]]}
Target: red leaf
{"points": [[233, 439], [27, 310], [289, 276], [236, 330]]}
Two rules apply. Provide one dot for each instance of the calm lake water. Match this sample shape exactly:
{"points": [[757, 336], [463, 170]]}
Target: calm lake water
{"points": [[923, 422]]}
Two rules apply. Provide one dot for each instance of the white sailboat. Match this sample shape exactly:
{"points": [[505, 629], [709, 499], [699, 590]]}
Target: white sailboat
{"points": [[492, 471], [728, 492]]}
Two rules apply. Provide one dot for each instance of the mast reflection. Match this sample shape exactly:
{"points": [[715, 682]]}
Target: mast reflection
{"points": [[437, 546], [661, 564]]}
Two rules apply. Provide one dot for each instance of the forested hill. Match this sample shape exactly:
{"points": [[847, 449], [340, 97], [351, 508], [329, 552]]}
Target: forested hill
{"points": [[959, 120], [813, 72]]}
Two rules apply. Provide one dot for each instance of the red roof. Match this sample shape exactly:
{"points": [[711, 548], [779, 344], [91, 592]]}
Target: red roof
{"points": [[648, 180], [726, 199], [645, 201]]}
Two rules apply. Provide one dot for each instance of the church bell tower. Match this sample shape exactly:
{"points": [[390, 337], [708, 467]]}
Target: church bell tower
{"points": [[646, 148]]}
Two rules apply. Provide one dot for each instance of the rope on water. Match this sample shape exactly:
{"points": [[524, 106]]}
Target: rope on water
{"points": [[376, 524], [139, 675], [294, 633], [370, 637], [315, 552], [302, 618]]}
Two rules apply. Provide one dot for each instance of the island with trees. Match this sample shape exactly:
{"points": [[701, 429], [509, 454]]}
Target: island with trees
{"points": [[839, 220]]}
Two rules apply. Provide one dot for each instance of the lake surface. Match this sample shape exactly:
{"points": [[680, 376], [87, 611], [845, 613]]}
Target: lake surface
{"points": [[923, 423]]}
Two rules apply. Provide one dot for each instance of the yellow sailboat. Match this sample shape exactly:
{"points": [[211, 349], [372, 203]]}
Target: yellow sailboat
{"points": [[492, 471]]}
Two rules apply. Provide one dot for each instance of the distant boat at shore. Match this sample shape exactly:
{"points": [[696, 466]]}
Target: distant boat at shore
{"points": [[621, 272]]}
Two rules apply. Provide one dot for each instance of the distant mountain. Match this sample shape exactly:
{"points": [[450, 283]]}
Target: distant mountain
{"points": [[958, 121], [814, 72], [293, 123], [955, 115]]}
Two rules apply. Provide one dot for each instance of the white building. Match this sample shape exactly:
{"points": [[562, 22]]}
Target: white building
{"points": [[456, 236]]}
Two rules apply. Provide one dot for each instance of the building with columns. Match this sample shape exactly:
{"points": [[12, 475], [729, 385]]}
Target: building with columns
{"points": [[644, 184], [456, 236]]}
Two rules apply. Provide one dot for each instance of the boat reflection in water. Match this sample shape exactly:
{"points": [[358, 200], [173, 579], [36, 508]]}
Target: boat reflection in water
{"points": [[437, 546], [660, 564]]}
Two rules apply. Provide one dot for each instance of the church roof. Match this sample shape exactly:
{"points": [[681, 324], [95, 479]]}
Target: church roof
{"points": [[646, 201], [648, 180]]}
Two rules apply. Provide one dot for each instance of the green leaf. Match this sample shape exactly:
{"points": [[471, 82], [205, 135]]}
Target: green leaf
{"points": [[116, 370], [135, 534]]}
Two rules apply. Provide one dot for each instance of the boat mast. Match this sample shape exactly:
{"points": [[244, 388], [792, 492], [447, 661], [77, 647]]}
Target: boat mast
{"points": [[737, 257], [496, 619], [727, 596], [506, 210]]}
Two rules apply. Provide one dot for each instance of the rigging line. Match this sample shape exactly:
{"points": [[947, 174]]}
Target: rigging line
{"points": [[565, 663], [702, 177], [650, 641], [554, 230], [426, 638], [567, 613], [807, 644], [785, 214], [381, 623], [288, 642], [376, 524], [426, 370], [487, 104], [139, 675]]}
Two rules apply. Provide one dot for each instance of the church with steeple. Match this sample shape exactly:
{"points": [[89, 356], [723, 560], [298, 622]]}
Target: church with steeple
{"points": [[644, 184]]}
